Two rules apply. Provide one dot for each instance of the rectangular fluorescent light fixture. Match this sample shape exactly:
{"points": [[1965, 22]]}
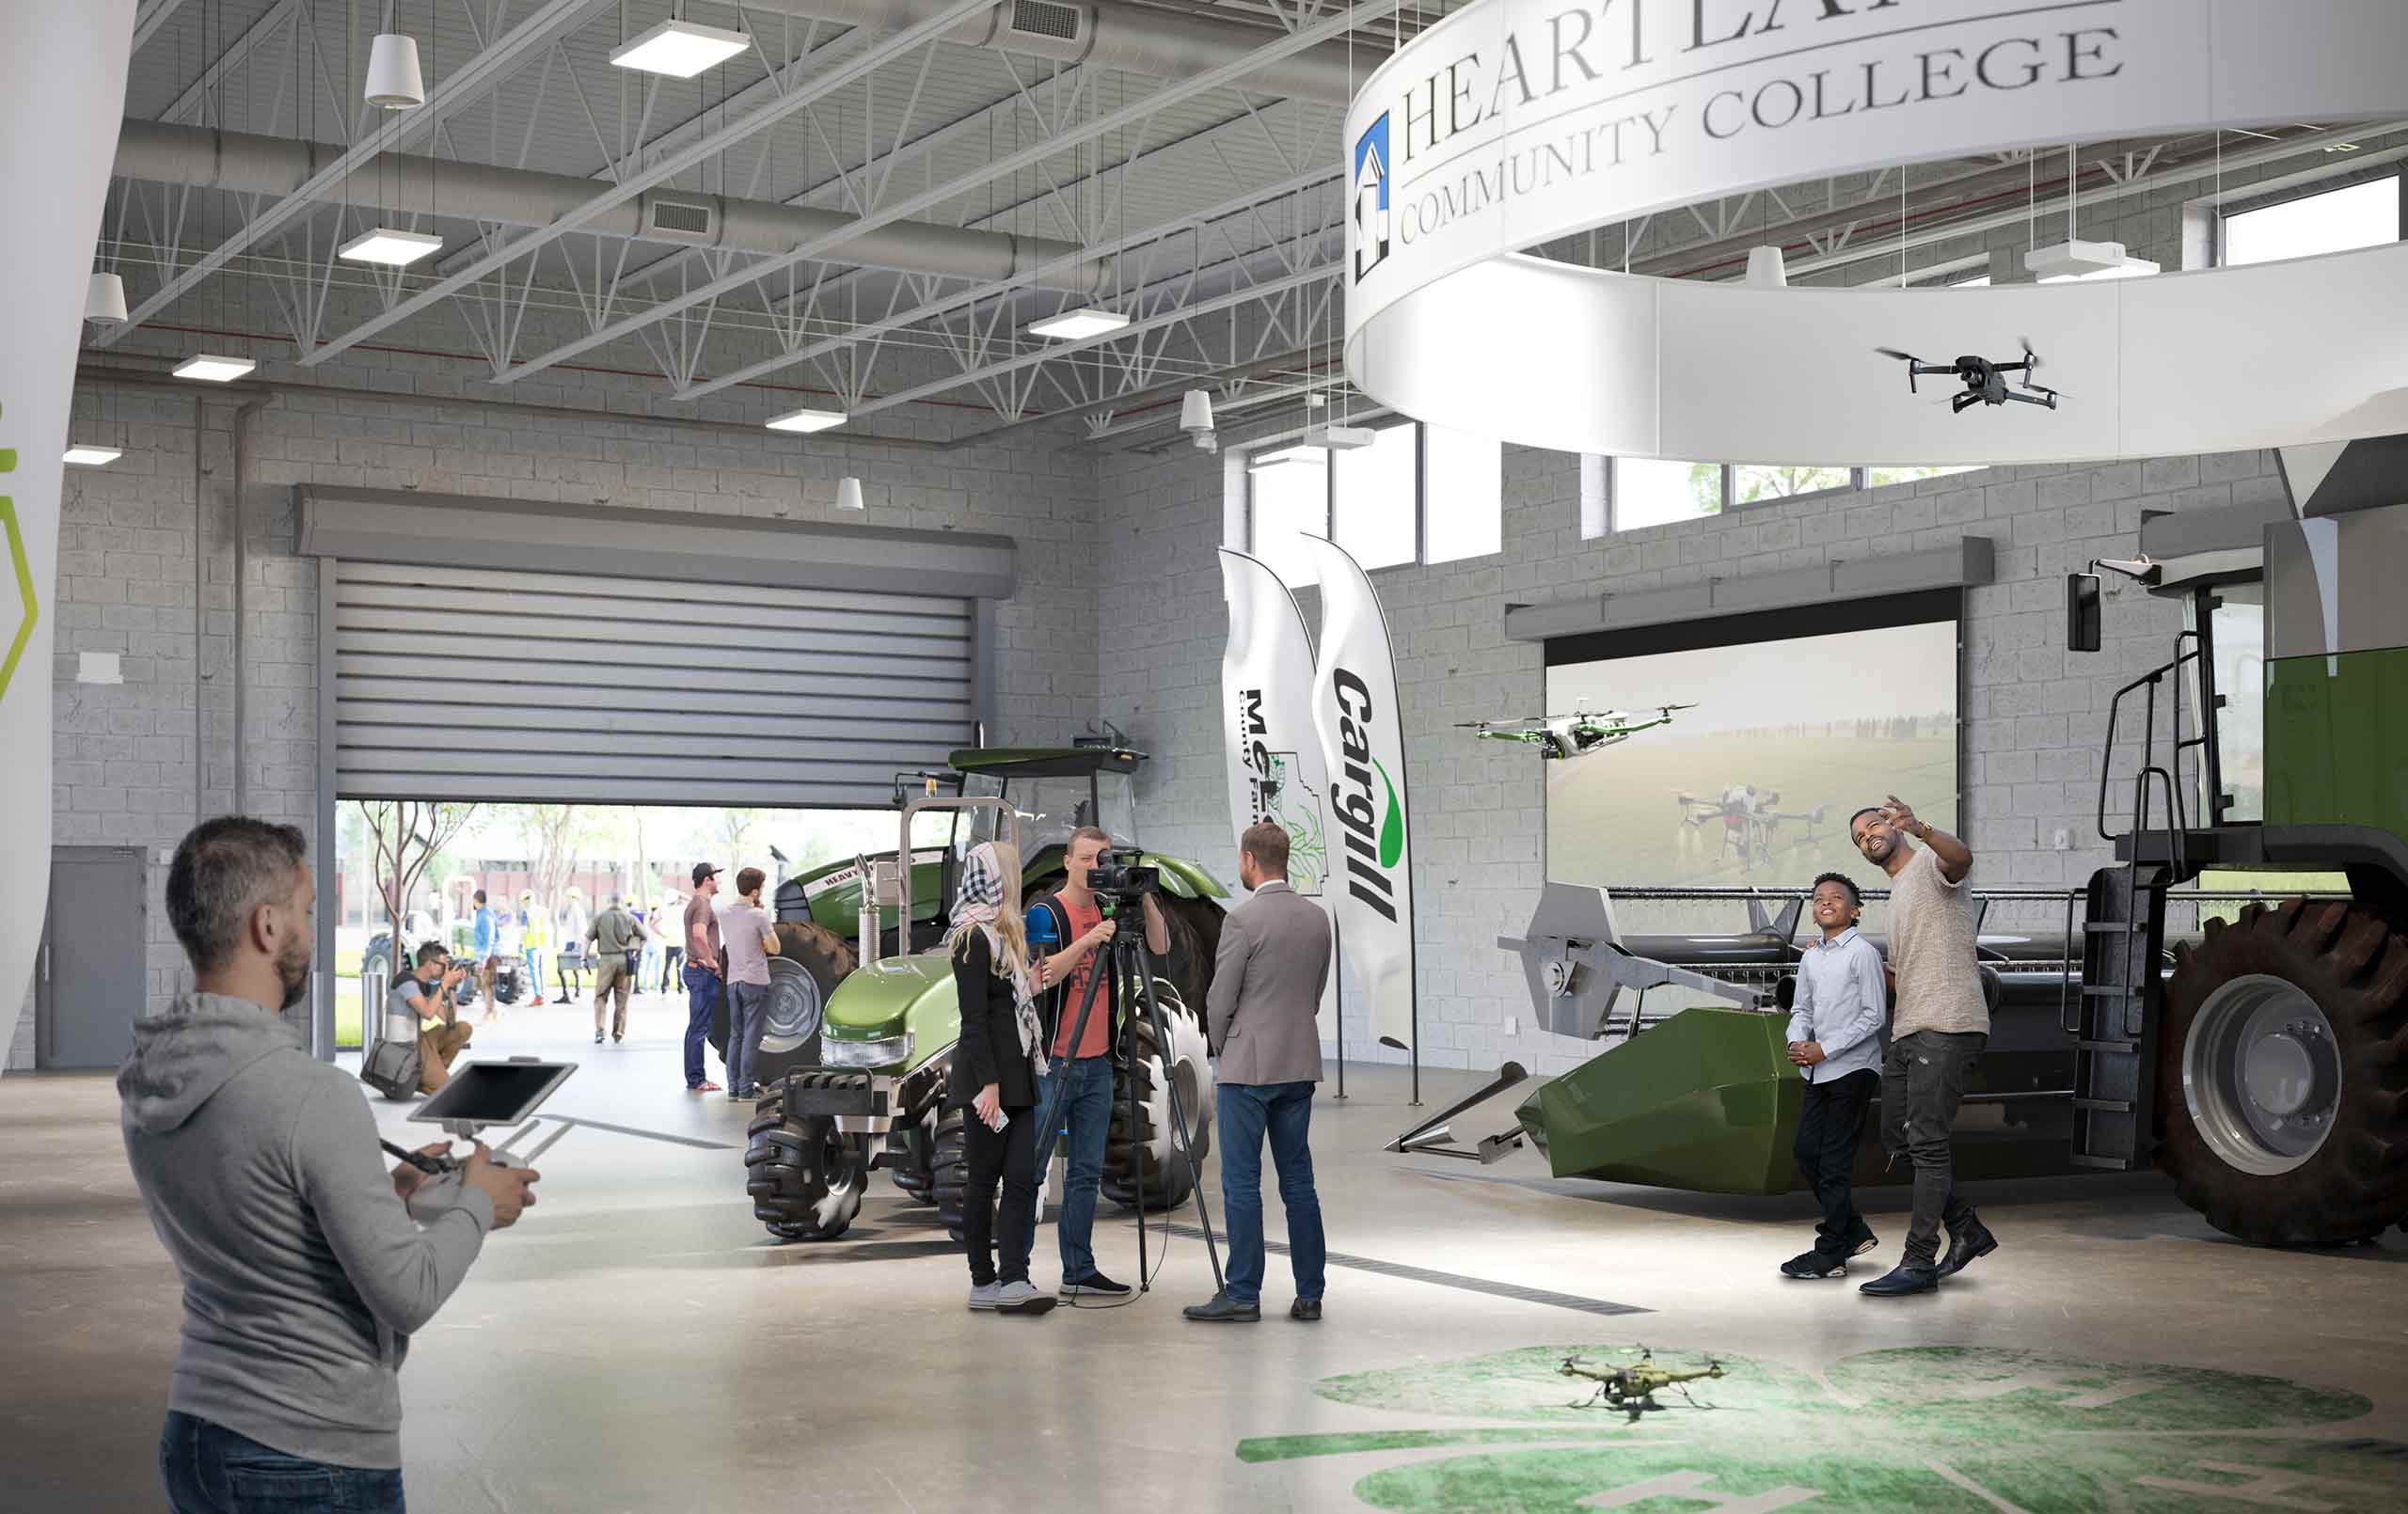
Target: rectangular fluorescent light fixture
{"points": [[1339, 438], [2084, 260], [1077, 326], [86, 456], [1279, 456], [385, 245], [807, 420], [679, 49], [210, 369]]}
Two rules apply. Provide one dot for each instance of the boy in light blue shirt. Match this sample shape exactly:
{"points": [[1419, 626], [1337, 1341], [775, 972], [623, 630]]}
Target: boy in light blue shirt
{"points": [[1835, 1041]]}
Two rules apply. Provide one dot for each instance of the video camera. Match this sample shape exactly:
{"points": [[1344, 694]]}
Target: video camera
{"points": [[1120, 875]]}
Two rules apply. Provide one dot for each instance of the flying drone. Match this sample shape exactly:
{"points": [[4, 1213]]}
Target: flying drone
{"points": [[1576, 735], [1984, 380], [1632, 1389]]}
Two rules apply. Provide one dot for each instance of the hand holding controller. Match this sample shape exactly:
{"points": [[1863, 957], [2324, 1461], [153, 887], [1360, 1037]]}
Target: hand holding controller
{"points": [[510, 1189]]}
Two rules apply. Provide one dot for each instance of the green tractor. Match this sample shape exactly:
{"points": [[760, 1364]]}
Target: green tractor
{"points": [[860, 1055]]}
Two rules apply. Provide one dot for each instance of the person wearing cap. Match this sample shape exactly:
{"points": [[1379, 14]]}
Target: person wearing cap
{"points": [[703, 976]]}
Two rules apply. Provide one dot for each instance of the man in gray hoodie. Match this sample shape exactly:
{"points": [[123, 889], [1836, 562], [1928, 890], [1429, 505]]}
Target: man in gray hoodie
{"points": [[304, 1274]]}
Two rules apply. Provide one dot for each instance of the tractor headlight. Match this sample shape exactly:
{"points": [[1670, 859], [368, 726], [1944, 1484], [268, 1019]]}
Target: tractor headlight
{"points": [[884, 1053]]}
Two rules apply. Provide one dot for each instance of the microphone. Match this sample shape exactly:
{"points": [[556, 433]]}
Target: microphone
{"points": [[1039, 927]]}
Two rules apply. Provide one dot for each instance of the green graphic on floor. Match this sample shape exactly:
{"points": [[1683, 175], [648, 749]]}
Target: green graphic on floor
{"points": [[1930, 1428]]}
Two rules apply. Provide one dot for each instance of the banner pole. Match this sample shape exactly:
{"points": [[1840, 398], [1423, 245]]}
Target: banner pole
{"points": [[1416, 1036], [1338, 1010]]}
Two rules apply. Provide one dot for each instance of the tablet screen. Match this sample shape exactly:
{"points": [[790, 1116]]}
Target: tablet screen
{"points": [[495, 1093]]}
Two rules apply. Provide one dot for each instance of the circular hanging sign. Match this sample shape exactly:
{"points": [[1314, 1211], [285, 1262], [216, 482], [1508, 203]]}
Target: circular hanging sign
{"points": [[1515, 122]]}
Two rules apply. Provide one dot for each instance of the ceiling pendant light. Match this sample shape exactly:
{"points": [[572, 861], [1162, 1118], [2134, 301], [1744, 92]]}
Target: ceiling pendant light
{"points": [[679, 49], [394, 82], [848, 493], [397, 249], [210, 368], [104, 299], [807, 420], [91, 456], [1280, 456], [1079, 324]]}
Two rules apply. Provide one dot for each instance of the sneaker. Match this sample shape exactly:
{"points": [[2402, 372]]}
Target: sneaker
{"points": [[1022, 1297], [597, 1038], [1862, 1240], [1813, 1264], [1095, 1285], [539, 999], [983, 1295]]}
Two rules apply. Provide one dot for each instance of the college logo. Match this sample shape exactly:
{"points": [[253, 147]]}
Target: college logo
{"points": [[1374, 832], [1371, 196]]}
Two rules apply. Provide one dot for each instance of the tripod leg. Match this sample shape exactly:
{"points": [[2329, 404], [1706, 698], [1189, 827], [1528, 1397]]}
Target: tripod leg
{"points": [[1180, 1139]]}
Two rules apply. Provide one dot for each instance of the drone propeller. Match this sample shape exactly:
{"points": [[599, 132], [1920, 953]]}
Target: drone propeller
{"points": [[1669, 708], [2031, 358], [1892, 352]]}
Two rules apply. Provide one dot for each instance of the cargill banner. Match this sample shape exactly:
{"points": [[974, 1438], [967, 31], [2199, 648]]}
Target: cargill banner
{"points": [[1274, 748], [62, 92], [1362, 733]]}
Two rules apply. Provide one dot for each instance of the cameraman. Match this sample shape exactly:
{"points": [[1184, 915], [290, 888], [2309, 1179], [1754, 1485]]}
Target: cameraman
{"points": [[426, 995], [1075, 915], [303, 1274]]}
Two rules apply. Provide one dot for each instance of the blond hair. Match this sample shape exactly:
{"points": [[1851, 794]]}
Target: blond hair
{"points": [[1009, 928]]}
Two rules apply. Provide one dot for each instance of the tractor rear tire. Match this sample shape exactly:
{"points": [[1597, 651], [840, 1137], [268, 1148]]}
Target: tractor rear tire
{"points": [[798, 1006], [949, 1170], [1194, 929], [2282, 1075], [1146, 1150], [805, 1177]]}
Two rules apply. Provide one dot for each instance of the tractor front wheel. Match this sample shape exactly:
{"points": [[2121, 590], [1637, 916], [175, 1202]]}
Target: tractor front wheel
{"points": [[2282, 1075], [804, 1176], [1140, 1156]]}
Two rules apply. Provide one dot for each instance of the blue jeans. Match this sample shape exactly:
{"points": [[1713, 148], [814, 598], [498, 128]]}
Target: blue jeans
{"points": [[1244, 1112], [702, 997], [207, 1469], [535, 970], [1086, 1120], [747, 1004]]}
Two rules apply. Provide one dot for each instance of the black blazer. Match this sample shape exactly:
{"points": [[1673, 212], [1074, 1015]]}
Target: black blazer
{"points": [[990, 1049]]}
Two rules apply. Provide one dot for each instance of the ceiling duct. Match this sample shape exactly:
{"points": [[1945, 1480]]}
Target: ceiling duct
{"points": [[1162, 44], [248, 164]]}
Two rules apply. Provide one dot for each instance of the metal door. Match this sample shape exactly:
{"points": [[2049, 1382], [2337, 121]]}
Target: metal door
{"points": [[91, 983]]}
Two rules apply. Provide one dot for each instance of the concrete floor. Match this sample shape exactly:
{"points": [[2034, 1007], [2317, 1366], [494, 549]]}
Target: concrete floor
{"points": [[638, 1342]]}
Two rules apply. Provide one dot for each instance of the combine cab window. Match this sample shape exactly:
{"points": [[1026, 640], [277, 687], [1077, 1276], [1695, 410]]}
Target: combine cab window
{"points": [[2236, 616]]}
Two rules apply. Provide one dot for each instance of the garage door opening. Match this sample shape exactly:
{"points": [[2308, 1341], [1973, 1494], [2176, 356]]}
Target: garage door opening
{"points": [[545, 868]]}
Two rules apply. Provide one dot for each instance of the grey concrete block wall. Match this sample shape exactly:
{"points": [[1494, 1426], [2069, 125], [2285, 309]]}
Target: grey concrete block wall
{"points": [[2033, 719]]}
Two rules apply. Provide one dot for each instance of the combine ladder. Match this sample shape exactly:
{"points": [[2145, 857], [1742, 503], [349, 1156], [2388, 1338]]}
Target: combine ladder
{"points": [[2113, 1021]]}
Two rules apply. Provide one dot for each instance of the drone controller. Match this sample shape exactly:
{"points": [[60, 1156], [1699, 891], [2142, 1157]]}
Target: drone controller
{"points": [[480, 1094]]}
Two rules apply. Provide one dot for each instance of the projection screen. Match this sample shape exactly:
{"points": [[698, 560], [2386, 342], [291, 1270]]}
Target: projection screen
{"points": [[1802, 717]]}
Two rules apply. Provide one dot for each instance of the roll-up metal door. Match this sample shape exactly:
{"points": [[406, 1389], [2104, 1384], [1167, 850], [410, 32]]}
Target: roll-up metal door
{"points": [[506, 684]]}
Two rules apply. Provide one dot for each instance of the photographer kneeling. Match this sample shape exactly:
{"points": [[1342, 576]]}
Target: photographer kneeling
{"points": [[303, 1273]]}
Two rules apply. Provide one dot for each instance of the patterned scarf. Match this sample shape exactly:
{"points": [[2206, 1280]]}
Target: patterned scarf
{"points": [[979, 902]]}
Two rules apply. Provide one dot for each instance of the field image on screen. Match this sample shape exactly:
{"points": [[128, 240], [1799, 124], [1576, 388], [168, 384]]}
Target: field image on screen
{"points": [[1754, 787]]}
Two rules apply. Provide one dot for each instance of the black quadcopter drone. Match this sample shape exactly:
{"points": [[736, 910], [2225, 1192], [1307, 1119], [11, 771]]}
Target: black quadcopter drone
{"points": [[1984, 380]]}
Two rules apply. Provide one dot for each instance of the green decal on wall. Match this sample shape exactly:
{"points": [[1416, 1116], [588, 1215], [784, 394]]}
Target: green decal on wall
{"points": [[1928, 1428], [27, 607]]}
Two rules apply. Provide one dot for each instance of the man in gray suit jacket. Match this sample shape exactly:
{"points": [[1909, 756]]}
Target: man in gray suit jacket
{"points": [[1267, 985]]}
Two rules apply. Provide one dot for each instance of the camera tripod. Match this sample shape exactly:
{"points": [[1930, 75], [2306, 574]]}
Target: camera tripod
{"points": [[1126, 960]]}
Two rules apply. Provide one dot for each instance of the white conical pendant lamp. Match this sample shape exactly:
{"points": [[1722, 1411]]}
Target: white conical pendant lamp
{"points": [[394, 82], [848, 493], [104, 299]]}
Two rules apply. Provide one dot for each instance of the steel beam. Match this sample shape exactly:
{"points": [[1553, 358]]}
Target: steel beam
{"points": [[1227, 75], [470, 82], [667, 169]]}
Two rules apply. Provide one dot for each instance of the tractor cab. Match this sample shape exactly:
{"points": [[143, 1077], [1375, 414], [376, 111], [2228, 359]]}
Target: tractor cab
{"points": [[1057, 791]]}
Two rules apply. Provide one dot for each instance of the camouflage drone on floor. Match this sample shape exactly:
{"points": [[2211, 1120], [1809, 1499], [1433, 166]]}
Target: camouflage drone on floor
{"points": [[1632, 1389], [1576, 735]]}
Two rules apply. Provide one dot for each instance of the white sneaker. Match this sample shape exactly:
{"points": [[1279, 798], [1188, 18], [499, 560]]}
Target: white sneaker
{"points": [[1023, 1298], [983, 1295]]}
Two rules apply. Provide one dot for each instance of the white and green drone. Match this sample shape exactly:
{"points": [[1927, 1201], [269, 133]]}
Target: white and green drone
{"points": [[1578, 734]]}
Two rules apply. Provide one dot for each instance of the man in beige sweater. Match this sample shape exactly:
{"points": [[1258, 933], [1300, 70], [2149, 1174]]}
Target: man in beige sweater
{"points": [[1939, 1024]]}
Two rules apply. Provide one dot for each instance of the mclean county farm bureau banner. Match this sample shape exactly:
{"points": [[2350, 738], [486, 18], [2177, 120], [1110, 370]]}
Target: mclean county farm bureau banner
{"points": [[1273, 752], [62, 91]]}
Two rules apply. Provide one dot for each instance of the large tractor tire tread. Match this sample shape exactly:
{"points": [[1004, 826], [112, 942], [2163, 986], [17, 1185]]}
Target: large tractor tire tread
{"points": [[1194, 926], [2355, 968], [949, 1170], [828, 959], [805, 1178], [1144, 1148]]}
